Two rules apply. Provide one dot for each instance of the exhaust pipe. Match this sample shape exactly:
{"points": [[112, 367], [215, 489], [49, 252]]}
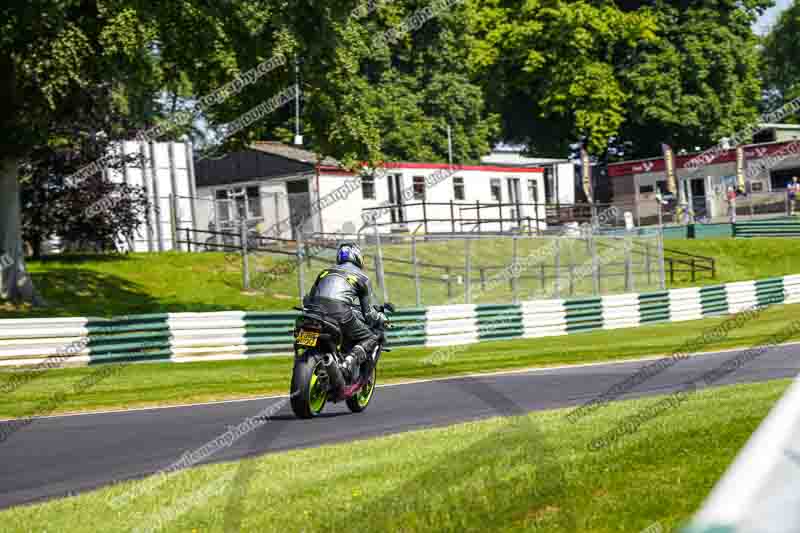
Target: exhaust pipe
{"points": [[334, 373]]}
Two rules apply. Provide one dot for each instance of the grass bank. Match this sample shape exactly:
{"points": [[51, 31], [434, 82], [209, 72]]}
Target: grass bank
{"points": [[529, 473], [105, 286]]}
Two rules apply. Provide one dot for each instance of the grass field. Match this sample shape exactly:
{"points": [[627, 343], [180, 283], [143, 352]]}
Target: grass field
{"points": [[169, 383], [529, 473], [105, 286]]}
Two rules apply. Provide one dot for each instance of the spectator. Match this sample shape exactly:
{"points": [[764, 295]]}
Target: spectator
{"points": [[792, 191], [732, 204]]}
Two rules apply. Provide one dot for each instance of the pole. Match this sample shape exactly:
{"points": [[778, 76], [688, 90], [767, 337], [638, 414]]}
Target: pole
{"points": [[298, 140], [595, 265], [660, 244], [515, 272], [425, 214], [379, 266], [628, 265], [500, 213], [173, 221], [467, 271], [417, 288], [557, 283], [450, 146], [301, 269], [245, 262]]}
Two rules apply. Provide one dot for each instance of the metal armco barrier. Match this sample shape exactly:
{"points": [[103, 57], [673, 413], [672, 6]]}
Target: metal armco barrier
{"points": [[229, 335]]}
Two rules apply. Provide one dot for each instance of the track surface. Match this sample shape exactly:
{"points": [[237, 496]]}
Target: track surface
{"points": [[56, 456]]}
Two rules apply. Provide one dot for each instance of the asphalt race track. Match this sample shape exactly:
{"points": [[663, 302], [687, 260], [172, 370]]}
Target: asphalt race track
{"points": [[57, 456]]}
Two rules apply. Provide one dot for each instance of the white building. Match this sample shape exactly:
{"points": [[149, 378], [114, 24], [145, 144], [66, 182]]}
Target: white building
{"points": [[275, 186], [165, 171], [559, 174]]}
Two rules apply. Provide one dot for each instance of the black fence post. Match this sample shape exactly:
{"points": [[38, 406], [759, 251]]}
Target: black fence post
{"points": [[478, 208], [449, 284], [500, 212], [188, 241], [671, 271], [425, 214], [693, 271], [542, 276], [452, 217]]}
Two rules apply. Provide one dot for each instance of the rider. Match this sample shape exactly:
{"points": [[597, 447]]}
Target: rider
{"points": [[343, 293]]}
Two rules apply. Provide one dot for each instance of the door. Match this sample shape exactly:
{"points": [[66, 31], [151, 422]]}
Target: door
{"points": [[698, 190], [513, 197], [396, 198], [299, 206]]}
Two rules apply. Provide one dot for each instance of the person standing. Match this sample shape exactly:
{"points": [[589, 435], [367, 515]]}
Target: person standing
{"points": [[792, 190], [731, 194]]}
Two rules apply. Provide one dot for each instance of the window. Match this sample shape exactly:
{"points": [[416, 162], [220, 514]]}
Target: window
{"points": [[419, 187], [368, 187], [533, 191], [643, 189], [496, 191], [223, 205], [458, 188], [756, 186], [254, 202]]}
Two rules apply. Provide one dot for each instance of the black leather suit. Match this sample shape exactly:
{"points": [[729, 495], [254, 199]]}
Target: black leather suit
{"points": [[344, 294]]}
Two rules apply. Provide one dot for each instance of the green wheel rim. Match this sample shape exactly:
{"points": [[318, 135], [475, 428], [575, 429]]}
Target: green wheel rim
{"points": [[317, 395], [365, 394]]}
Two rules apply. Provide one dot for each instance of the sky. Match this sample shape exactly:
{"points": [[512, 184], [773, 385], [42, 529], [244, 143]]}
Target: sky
{"points": [[763, 25]]}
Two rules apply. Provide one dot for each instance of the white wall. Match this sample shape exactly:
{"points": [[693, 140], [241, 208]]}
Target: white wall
{"points": [[168, 169], [274, 207], [477, 187], [565, 174]]}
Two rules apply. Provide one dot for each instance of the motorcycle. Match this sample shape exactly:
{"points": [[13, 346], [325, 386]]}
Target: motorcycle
{"points": [[319, 374]]}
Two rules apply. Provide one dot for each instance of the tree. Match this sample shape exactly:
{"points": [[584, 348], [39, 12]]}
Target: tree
{"points": [[780, 53], [645, 72], [94, 213], [70, 64]]}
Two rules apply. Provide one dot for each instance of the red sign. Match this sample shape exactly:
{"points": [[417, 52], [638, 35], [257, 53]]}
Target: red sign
{"points": [[627, 168]]}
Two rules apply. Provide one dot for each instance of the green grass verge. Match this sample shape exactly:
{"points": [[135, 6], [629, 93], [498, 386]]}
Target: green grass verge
{"points": [[169, 383], [105, 286], [529, 473]]}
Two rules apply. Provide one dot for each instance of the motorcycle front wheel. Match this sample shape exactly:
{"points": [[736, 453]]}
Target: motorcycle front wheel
{"points": [[309, 390]]}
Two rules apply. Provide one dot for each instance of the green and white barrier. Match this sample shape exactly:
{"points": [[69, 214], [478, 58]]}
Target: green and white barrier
{"points": [[228, 335]]}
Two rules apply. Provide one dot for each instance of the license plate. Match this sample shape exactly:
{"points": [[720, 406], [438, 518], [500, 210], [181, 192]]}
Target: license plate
{"points": [[307, 338]]}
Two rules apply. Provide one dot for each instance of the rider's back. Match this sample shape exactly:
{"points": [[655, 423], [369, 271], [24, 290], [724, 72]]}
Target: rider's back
{"points": [[345, 283]]}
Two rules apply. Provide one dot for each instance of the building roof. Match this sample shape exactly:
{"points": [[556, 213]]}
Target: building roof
{"points": [[789, 127], [292, 152]]}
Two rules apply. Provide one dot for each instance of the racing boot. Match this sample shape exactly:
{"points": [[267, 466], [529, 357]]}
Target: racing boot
{"points": [[360, 354]]}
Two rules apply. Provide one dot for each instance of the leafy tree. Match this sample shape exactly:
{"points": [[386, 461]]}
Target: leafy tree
{"points": [[72, 64], [94, 213], [780, 57], [645, 72]]}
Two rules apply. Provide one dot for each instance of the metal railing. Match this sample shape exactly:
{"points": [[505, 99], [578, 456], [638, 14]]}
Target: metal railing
{"points": [[527, 217]]}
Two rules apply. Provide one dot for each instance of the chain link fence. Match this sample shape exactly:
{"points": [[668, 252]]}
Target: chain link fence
{"points": [[435, 270]]}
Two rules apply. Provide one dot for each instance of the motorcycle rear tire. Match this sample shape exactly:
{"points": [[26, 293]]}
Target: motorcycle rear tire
{"points": [[308, 397]]}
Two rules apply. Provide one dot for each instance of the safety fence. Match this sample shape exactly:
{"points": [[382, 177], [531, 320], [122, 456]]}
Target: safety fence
{"points": [[229, 335], [768, 228]]}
